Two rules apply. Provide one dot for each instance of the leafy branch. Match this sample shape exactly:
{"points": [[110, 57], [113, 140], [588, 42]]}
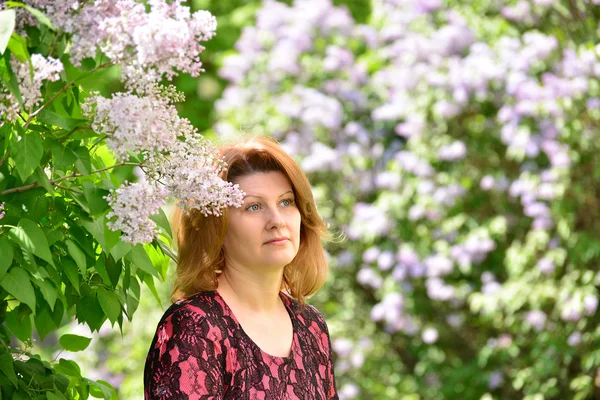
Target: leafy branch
{"points": [[34, 185]]}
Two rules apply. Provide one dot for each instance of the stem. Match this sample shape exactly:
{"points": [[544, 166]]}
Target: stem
{"points": [[69, 189], [97, 142], [68, 85], [4, 157], [34, 185]]}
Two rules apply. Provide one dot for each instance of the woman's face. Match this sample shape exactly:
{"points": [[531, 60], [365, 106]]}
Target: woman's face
{"points": [[265, 231]]}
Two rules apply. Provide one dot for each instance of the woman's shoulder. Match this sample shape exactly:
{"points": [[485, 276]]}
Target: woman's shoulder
{"points": [[202, 305]]}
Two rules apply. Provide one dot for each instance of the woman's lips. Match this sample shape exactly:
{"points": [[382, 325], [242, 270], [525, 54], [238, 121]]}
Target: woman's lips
{"points": [[277, 241]]}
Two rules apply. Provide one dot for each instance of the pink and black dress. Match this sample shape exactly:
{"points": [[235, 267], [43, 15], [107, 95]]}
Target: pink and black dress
{"points": [[201, 352]]}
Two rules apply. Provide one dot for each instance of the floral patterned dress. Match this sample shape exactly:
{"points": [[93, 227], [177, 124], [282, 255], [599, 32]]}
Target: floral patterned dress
{"points": [[200, 351]]}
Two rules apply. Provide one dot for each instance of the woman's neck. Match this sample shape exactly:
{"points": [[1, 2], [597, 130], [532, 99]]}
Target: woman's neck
{"points": [[257, 293]]}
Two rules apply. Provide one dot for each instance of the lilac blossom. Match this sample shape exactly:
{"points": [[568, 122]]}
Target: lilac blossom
{"points": [[30, 85], [537, 319], [132, 204], [133, 123], [430, 335]]}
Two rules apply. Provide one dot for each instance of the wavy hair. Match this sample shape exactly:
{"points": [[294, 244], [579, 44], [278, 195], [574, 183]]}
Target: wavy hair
{"points": [[200, 238]]}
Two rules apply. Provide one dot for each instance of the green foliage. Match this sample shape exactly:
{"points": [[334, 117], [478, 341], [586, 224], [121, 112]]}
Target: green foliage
{"points": [[59, 262]]}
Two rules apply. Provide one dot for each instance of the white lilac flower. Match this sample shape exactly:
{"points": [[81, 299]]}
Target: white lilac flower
{"points": [[537, 319], [453, 152], [368, 277], [132, 204], [546, 266], [30, 83], [574, 339], [386, 260], [438, 265], [349, 391], [342, 346], [590, 304], [149, 45], [189, 172], [495, 380], [430, 335], [134, 123]]}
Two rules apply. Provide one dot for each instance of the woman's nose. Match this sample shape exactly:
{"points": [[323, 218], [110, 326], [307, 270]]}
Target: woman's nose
{"points": [[276, 220]]}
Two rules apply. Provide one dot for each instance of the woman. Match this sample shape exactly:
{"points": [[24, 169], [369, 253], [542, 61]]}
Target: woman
{"points": [[241, 328]]}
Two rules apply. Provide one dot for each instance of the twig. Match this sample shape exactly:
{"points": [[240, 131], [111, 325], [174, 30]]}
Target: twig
{"points": [[69, 189], [68, 85], [4, 157], [34, 185], [97, 142]]}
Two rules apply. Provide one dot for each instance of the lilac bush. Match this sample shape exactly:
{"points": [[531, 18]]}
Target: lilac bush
{"points": [[84, 175], [455, 147]]}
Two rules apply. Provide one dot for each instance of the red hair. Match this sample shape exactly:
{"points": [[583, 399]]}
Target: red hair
{"points": [[200, 238]]}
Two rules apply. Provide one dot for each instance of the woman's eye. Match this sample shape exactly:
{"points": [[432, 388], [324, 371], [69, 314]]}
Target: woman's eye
{"points": [[252, 207], [287, 202]]}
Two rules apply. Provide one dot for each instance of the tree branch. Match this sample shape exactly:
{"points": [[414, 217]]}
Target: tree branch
{"points": [[34, 185]]}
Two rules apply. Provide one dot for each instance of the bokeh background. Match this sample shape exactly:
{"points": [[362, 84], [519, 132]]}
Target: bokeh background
{"points": [[453, 144]]}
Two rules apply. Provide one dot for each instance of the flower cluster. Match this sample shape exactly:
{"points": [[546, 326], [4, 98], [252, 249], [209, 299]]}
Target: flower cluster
{"points": [[132, 204], [134, 123], [30, 81], [148, 45], [150, 42], [178, 162]]}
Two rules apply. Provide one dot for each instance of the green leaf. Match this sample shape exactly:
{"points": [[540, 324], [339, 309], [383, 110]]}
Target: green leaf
{"points": [[70, 270], [140, 259], [163, 222], [56, 395], [79, 257], [52, 118], [36, 13], [120, 250], [111, 390], [18, 47], [96, 228], [6, 366], [20, 326], [44, 323], [62, 156], [110, 304], [68, 367], [7, 26], [159, 260], [95, 198], [28, 262], [48, 290], [90, 311], [74, 342], [42, 178], [100, 268], [101, 389], [83, 162], [31, 237], [58, 313], [18, 283], [27, 153], [9, 78], [149, 281], [6, 250], [114, 270]]}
